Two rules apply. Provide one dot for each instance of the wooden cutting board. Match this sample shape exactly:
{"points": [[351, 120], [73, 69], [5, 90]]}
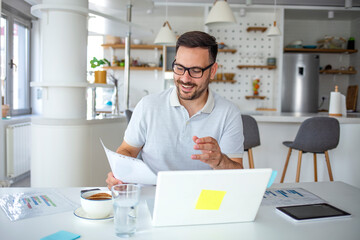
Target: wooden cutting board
{"points": [[351, 97]]}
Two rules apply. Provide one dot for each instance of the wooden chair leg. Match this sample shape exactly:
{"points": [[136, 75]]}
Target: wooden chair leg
{"points": [[328, 165], [251, 158], [298, 167], [315, 168], [285, 166]]}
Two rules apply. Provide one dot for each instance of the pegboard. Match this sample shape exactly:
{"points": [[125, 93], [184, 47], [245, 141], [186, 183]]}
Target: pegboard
{"points": [[252, 48]]}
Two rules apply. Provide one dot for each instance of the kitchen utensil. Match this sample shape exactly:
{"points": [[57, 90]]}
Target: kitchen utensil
{"points": [[229, 76]]}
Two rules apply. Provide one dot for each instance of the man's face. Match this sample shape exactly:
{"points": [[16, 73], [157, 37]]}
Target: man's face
{"points": [[190, 88]]}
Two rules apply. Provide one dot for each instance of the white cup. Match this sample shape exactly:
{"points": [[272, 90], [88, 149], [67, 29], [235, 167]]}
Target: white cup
{"points": [[96, 208]]}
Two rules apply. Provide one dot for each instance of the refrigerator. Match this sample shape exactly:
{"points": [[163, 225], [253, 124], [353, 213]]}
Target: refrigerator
{"points": [[300, 83]]}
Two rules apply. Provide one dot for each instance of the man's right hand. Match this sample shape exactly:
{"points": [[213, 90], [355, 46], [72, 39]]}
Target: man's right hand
{"points": [[111, 180]]}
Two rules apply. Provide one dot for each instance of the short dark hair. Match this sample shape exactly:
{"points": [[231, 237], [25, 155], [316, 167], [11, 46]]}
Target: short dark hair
{"points": [[199, 39]]}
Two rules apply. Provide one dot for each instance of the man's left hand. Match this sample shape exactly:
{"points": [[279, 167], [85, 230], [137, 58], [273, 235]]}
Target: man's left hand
{"points": [[210, 151]]}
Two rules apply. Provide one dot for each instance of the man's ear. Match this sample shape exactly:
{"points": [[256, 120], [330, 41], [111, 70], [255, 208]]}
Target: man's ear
{"points": [[213, 70]]}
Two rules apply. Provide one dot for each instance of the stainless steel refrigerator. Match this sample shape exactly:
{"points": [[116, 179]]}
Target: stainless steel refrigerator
{"points": [[300, 83]]}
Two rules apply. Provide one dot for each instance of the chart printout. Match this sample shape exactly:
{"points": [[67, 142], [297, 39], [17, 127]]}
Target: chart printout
{"points": [[31, 204], [289, 196]]}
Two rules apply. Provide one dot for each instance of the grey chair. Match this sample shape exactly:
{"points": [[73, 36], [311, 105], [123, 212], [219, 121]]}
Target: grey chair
{"points": [[315, 135], [251, 136], [128, 114]]}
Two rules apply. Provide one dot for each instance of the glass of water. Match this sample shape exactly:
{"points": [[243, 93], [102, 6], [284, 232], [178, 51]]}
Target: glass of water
{"points": [[126, 198]]}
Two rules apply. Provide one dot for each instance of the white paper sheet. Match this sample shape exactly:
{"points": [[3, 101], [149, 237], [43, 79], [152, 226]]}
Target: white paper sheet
{"points": [[128, 169]]}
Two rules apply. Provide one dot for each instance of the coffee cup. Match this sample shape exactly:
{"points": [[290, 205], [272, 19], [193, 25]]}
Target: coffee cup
{"points": [[97, 203]]}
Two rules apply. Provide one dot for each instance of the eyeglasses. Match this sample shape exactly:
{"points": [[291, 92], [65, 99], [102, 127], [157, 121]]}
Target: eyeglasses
{"points": [[194, 72]]}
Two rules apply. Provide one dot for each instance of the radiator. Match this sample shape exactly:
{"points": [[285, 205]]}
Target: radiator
{"points": [[17, 149]]}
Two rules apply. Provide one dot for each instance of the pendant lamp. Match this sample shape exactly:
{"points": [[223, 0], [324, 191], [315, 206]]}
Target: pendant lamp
{"points": [[165, 36], [274, 30], [220, 14]]}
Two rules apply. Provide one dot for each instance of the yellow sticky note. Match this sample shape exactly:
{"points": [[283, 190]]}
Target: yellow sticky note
{"points": [[210, 200]]}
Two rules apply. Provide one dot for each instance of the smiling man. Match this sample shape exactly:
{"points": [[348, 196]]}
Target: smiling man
{"points": [[188, 127]]}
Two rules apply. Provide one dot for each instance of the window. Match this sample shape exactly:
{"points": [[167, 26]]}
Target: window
{"points": [[15, 62]]}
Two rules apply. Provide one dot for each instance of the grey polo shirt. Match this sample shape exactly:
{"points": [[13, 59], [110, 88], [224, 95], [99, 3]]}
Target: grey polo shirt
{"points": [[161, 125]]}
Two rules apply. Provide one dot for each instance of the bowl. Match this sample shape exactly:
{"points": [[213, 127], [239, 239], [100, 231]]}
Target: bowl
{"points": [[96, 204], [229, 76]]}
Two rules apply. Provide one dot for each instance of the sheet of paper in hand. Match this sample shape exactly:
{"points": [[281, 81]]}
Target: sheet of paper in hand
{"points": [[128, 169]]}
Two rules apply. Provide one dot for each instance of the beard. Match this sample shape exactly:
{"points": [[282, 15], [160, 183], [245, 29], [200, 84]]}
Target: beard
{"points": [[199, 90]]}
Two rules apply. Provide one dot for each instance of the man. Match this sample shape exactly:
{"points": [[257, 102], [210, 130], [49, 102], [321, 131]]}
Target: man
{"points": [[187, 127]]}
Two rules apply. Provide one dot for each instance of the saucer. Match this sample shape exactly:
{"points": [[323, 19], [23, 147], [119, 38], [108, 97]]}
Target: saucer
{"points": [[79, 212]]}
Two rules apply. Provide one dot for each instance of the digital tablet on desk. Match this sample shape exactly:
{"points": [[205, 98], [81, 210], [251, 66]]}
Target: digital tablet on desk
{"points": [[301, 213]]}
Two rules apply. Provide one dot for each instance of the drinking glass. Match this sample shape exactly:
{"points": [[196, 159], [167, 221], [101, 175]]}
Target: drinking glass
{"points": [[126, 198]]}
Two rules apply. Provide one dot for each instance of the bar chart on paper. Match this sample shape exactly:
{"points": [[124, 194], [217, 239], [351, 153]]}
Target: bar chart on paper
{"points": [[289, 196], [25, 205]]}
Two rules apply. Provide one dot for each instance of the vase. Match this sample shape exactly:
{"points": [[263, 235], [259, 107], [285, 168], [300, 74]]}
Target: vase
{"points": [[115, 110]]}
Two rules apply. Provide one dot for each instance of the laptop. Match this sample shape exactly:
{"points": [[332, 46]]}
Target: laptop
{"points": [[208, 196]]}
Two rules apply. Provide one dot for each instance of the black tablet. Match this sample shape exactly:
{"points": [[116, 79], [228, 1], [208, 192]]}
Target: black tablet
{"points": [[313, 211]]}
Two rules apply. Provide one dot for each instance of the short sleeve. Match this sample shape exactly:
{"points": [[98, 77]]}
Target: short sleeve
{"points": [[232, 139], [135, 133]]}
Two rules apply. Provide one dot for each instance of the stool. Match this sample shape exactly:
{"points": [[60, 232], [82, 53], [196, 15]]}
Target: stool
{"points": [[251, 136], [315, 135]]}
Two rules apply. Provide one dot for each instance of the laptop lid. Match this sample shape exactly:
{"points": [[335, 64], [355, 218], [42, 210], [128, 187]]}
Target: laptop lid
{"points": [[208, 196]]}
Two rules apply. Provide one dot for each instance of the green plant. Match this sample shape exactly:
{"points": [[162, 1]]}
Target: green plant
{"points": [[99, 62]]}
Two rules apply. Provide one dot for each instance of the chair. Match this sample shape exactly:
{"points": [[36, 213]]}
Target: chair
{"points": [[251, 136], [128, 114], [315, 135]]}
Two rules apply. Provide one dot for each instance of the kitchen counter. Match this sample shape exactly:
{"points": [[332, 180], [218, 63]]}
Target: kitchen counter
{"points": [[300, 117], [276, 128]]}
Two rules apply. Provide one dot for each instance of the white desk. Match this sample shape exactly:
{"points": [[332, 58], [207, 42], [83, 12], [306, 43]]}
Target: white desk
{"points": [[267, 225]]}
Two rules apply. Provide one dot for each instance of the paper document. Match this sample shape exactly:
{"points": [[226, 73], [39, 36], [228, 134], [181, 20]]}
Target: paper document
{"points": [[34, 203], [128, 169], [289, 196]]}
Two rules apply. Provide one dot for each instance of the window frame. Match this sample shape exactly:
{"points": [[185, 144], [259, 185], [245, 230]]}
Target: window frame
{"points": [[13, 17]]}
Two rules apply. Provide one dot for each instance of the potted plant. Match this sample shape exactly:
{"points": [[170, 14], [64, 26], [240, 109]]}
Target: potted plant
{"points": [[100, 75]]}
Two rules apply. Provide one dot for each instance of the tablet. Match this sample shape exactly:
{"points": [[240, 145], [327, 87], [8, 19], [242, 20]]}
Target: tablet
{"points": [[313, 212]]}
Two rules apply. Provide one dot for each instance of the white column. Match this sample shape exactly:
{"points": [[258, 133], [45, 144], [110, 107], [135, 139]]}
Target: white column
{"points": [[60, 137]]}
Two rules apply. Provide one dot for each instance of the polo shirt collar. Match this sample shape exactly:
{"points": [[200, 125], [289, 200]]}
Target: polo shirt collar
{"points": [[208, 107]]}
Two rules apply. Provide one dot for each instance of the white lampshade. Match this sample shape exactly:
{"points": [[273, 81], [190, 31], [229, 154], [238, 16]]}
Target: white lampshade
{"points": [[165, 36], [274, 31], [219, 14]]}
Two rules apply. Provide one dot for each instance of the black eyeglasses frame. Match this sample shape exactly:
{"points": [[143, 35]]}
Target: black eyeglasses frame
{"points": [[188, 69]]}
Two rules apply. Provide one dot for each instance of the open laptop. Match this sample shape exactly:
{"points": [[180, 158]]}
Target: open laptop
{"points": [[208, 196]]}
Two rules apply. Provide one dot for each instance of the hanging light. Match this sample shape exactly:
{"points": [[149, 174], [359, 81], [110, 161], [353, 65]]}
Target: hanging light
{"points": [[165, 36], [274, 30], [219, 14]]}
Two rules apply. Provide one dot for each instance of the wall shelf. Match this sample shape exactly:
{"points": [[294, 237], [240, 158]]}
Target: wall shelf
{"points": [[133, 46], [135, 68], [228, 50], [337, 71], [262, 29], [223, 81], [316, 50], [256, 66], [255, 97]]}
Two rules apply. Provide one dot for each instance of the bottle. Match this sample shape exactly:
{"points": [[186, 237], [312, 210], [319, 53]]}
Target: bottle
{"points": [[161, 60], [351, 43]]}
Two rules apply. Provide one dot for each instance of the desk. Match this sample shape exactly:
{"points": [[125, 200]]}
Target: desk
{"points": [[267, 225]]}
